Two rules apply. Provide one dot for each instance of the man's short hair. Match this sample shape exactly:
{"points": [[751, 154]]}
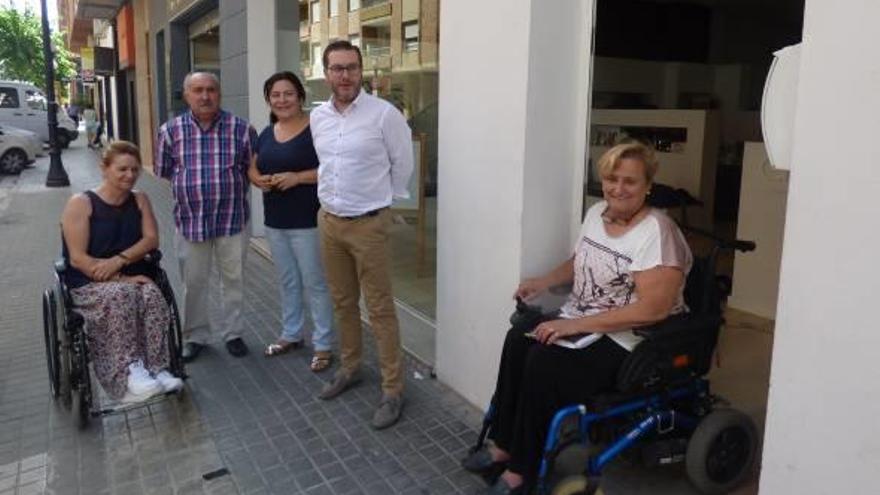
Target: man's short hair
{"points": [[341, 45], [189, 77]]}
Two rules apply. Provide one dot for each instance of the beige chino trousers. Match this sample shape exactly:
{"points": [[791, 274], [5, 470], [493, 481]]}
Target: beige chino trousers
{"points": [[197, 260], [355, 253]]}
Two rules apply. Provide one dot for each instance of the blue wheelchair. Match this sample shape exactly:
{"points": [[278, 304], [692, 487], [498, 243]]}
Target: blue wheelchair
{"points": [[67, 353], [662, 407]]}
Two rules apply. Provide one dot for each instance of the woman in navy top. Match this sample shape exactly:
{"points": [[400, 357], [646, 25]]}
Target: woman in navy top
{"points": [[285, 168], [107, 231]]}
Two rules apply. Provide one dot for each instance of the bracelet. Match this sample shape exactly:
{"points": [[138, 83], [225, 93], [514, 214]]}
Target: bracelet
{"points": [[125, 258]]}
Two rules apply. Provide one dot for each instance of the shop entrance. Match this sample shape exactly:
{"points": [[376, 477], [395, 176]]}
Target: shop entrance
{"points": [[687, 77]]}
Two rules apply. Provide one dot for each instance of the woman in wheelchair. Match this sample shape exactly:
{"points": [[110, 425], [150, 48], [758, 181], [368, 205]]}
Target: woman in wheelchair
{"points": [[628, 269], [106, 233]]}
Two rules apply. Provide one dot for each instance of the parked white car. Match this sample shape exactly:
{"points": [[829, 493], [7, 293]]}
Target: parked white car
{"points": [[37, 145], [18, 149], [25, 106]]}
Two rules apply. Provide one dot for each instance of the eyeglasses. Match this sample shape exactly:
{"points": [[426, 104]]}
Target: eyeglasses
{"points": [[337, 70]]}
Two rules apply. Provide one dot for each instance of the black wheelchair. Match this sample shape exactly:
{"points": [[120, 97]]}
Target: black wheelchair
{"points": [[67, 353], [662, 411]]}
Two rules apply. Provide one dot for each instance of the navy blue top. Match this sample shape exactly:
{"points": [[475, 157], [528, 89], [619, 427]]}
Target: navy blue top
{"points": [[297, 207], [112, 229]]}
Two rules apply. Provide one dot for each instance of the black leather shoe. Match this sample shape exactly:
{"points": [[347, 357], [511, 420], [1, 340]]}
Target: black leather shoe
{"points": [[237, 347], [502, 488], [480, 462], [190, 351]]}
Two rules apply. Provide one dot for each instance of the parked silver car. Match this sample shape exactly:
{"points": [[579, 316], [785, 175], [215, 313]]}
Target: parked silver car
{"points": [[18, 149]]}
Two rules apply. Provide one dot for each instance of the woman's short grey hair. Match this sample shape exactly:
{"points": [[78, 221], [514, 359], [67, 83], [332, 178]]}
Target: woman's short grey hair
{"points": [[189, 77]]}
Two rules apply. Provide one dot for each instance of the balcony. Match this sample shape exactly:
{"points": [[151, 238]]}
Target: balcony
{"points": [[377, 57], [375, 10], [365, 4]]}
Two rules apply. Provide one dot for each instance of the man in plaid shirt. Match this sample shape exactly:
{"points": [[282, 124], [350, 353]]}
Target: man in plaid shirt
{"points": [[205, 153]]}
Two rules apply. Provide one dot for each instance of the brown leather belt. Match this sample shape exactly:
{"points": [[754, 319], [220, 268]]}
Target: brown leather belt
{"points": [[371, 213]]}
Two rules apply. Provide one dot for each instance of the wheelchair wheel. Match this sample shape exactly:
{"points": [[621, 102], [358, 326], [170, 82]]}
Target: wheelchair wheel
{"points": [[79, 410], [81, 402], [577, 484], [50, 335], [175, 339], [65, 366], [721, 451]]}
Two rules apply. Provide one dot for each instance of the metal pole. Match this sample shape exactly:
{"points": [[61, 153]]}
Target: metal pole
{"points": [[57, 176]]}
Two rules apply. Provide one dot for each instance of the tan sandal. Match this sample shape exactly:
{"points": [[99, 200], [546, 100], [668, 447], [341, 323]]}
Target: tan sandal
{"points": [[321, 361], [280, 347]]}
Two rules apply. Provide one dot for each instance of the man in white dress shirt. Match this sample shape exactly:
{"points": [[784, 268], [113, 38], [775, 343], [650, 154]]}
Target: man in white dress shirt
{"points": [[365, 150]]}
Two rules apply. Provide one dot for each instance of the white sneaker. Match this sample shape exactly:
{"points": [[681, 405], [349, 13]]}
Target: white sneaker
{"points": [[140, 383], [169, 382]]}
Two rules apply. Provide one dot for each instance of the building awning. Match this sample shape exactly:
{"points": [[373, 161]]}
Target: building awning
{"points": [[86, 11], [97, 9]]}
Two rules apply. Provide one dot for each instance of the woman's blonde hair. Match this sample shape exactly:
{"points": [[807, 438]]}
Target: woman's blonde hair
{"points": [[633, 149], [117, 148]]}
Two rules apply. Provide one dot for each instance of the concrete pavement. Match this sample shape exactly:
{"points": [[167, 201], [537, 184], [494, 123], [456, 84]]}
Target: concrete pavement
{"points": [[256, 418]]}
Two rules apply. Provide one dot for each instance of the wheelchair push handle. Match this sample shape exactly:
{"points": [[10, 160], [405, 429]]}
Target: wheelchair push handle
{"points": [[722, 243], [735, 244], [743, 246]]}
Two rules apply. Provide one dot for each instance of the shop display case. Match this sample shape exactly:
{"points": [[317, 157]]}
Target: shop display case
{"points": [[686, 142]]}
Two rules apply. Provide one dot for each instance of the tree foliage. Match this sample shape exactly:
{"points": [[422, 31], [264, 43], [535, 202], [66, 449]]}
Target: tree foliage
{"points": [[21, 49]]}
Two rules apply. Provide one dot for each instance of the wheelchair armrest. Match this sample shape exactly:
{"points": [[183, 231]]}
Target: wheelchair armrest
{"points": [[676, 347], [678, 325], [528, 316], [153, 257], [60, 265]]}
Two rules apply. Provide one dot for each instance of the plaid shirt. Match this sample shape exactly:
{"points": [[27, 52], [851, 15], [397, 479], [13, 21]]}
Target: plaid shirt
{"points": [[208, 173]]}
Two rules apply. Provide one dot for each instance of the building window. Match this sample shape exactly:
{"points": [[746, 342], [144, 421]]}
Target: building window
{"points": [[317, 62], [35, 100], [334, 8], [411, 36], [412, 87], [316, 11]]}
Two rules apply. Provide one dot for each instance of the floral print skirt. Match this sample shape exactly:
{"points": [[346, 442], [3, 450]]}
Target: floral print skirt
{"points": [[125, 322]]}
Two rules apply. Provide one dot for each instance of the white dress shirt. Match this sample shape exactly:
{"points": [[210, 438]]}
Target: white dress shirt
{"points": [[366, 155]]}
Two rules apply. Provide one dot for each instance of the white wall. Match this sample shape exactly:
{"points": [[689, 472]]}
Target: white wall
{"points": [[821, 434], [512, 131], [762, 198]]}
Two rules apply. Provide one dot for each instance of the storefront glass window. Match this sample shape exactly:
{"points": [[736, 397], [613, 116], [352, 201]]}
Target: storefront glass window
{"points": [[401, 65]]}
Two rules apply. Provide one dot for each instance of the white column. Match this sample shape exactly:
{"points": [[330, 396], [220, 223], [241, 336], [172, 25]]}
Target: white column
{"points": [[262, 60], [821, 434], [514, 86]]}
